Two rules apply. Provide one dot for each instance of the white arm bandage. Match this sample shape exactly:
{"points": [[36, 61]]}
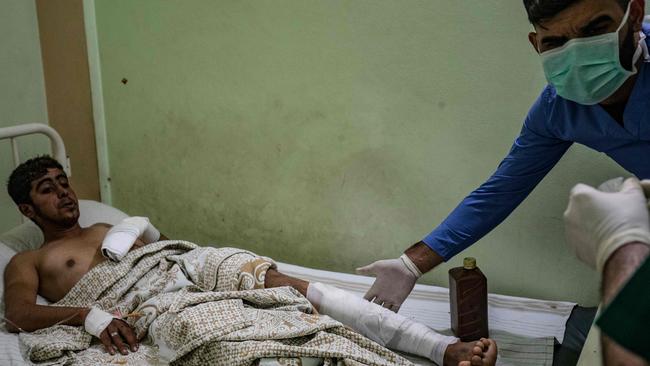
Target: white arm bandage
{"points": [[96, 321], [121, 237]]}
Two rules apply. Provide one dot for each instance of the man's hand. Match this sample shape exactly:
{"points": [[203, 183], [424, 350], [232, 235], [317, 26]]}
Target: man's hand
{"points": [[395, 280], [597, 223], [112, 331], [117, 335]]}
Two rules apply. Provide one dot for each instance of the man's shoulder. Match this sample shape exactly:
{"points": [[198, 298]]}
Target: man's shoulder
{"points": [[25, 258]]}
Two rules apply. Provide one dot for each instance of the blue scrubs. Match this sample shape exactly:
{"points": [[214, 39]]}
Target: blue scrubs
{"points": [[552, 125]]}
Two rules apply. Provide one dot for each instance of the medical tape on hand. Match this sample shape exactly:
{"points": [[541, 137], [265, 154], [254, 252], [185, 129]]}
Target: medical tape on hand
{"points": [[410, 265], [96, 321]]}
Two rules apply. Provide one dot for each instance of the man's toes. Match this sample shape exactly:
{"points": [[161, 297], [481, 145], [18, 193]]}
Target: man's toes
{"points": [[477, 351], [477, 361], [464, 363], [485, 343], [490, 355]]}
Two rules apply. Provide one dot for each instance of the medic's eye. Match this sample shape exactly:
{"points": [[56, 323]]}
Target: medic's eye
{"points": [[595, 31], [597, 26], [553, 42]]}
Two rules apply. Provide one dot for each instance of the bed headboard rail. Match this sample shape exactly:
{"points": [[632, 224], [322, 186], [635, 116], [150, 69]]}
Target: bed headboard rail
{"points": [[58, 148]]}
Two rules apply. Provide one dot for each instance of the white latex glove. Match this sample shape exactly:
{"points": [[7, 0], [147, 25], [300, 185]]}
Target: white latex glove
{"points": [[121, 237], [597, 223], [395, 280], [612, 185]]}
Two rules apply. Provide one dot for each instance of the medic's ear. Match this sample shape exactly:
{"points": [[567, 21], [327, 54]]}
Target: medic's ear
{"points": [[532, 38], [27, 210], [637, 13]]}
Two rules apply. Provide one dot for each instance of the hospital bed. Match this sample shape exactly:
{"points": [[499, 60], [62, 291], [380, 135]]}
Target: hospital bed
{"points": [[527, 330]]}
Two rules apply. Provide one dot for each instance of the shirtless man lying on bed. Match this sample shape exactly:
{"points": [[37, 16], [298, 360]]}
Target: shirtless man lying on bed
{"points": [[43, 193]]}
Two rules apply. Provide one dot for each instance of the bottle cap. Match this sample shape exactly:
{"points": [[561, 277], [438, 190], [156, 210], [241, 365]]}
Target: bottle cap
{"points": [[469, 263]]}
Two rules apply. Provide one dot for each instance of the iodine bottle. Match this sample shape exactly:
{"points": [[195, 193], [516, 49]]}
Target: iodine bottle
{"points": [[468, 299]]}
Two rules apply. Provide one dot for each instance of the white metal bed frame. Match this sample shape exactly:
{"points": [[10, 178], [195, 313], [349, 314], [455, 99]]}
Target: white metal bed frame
{"points": [[56, 142]]}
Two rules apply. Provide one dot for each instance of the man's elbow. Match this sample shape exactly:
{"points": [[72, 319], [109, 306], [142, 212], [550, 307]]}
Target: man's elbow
{"points": [[13, 322], [18, 319]]}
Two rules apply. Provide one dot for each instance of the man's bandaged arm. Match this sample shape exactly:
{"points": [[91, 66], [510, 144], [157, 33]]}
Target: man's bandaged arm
{"points": [[121, 237]]}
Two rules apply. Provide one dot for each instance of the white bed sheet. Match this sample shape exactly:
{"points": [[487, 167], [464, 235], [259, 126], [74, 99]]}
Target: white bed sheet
{"points": [[524, 329], [430, 305]]}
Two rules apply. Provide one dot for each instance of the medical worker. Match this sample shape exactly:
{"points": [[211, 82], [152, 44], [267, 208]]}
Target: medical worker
{"points": [[609, 229], [594, 54]]}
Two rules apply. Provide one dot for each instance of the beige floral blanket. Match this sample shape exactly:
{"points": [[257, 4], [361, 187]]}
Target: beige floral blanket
{"points": [[202, 306]]}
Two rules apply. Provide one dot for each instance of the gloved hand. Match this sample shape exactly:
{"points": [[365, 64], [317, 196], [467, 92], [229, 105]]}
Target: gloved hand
{"points": [[121, 237], [597, 223], [612, 185], [395, 280]]}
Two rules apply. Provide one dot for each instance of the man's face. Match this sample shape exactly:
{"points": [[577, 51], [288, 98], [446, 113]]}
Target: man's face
{"points": [[53, 200], [586, 18]]}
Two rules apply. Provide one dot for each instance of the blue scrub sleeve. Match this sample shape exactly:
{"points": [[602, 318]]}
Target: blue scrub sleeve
{"points": [[531, 157]]}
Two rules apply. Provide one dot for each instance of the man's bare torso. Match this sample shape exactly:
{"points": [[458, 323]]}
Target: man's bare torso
{"points": [[62, 263]]}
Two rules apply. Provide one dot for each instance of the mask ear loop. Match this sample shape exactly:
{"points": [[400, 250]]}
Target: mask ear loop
{"points": [[642, 47], [627, 15]]}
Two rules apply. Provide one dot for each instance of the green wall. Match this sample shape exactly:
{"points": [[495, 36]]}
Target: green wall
{"points": [[22, 91], [333, 133]]}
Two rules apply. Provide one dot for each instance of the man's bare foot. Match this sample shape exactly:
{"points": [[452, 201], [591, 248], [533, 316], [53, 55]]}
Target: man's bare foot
{"points": [[479, 353]]}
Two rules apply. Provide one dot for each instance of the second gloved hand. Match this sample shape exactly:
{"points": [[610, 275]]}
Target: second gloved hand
{"points": [[597, 223], [395, 280]]}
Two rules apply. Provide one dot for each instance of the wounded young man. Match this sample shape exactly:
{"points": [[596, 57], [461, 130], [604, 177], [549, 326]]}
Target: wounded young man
{"points": [[195, 304]]}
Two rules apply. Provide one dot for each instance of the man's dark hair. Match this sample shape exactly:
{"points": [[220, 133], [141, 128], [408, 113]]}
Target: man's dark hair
{"points": [[20, 180], [541, 10]]}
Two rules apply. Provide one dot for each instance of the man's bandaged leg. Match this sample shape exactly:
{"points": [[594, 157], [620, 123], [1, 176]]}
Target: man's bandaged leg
{"points": [[379, 324]]}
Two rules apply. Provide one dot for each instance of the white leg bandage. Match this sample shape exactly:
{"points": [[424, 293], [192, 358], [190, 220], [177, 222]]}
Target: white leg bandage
{"points": [[121, 237], [96, 321], [379, 324]]}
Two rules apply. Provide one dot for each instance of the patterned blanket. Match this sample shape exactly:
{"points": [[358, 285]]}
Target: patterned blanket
{"points": [[202, 306]]}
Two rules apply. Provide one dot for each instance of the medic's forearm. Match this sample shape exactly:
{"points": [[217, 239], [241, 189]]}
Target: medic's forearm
{"points": [[424, 257], [31, 317], [620, 267]]}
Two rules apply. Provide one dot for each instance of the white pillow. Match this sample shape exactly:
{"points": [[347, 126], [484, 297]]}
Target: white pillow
{"points": [[28, 236]]}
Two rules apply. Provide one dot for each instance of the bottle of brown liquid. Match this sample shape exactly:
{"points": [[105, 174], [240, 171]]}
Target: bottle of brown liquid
{"points": [[468, 299]]}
